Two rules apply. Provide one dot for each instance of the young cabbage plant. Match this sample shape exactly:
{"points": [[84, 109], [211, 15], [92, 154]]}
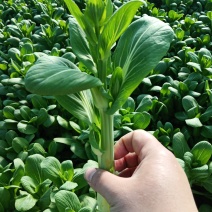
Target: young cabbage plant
{"points": [[109, 77]]}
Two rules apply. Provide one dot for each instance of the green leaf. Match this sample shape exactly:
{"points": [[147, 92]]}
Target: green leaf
{"points": [[25, 112], [145, 104], [179, 145], [206, 115], [75, 11], [129, 105], [19, 144], [33, 167], [62, 122], [141, 120], [87, 201], [26, 128], [69, 186], [8, 112], [189, 102], [29, 184], [38, 101], [202, 152], [67, 169], [200, 173], [25, 202], [206, 131], [19, 171], [80, 105], [79, 178], [195, 122], [5, 200], [52, 169], [139, 50], [118, 23], [80, 45], [57, 76], [66, 199]]}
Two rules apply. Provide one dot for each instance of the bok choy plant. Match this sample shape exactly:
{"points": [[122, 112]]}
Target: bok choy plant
{"points": [[108, 77]]}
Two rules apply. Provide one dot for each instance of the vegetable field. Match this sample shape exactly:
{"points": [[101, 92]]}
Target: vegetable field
{"points": [[70, 83]]}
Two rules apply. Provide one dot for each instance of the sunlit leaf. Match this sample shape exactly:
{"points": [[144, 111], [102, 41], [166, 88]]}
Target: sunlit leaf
{"points": [[80, 45], [67, 199], [57, 76], [202, 152], [118, 23], [139, 50]]}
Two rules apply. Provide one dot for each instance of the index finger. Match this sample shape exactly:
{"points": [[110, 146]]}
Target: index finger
{"points": [[138, 141]]}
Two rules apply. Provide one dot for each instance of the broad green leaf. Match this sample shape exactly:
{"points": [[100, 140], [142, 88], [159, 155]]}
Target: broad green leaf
{"points": [[188, 158], [206, 131], [94, 11], [67, 169], [139, 50], [25, 202], [41, 116], [141, 120], [79, 178], [118, 23], [78, 149], [25, 112], [75, 11], [179, 145], [87, 201], [80, 45], [206, 115], [57, 76], [33, 167], [19, 144], [196, 66], [67, 199], [38, 101], [69, 186], [202, 152], [26, 128], [129, 105], [98, 12], [80, 105], [82, 20], [145, 104], [62, 122], [19, 171], [200, 173], [5, 198], [29, 184], [52, 169], [27, 48], [195, 122], [189, 102], [8, 112]]}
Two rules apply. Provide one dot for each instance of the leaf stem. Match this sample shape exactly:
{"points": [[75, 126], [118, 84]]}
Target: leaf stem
{"points": [[106, 160]]}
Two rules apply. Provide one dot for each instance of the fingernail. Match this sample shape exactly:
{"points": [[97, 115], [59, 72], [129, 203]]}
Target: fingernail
{"points": [[89, 174]]}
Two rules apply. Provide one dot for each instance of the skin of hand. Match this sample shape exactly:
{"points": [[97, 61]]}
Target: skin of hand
{"points": [[150, 178]]}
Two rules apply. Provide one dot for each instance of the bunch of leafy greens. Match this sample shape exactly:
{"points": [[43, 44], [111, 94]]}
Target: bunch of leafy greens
{"points": [[173, 101], [96, 93]]}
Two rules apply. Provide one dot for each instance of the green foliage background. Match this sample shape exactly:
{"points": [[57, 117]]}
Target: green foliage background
{"points": [[44, 150]]}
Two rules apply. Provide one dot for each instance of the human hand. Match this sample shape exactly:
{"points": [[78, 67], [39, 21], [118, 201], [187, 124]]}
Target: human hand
{"points": [[150, 178]]}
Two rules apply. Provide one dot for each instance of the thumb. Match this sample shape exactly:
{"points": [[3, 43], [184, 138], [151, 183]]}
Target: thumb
{"points": [[105, 183]]}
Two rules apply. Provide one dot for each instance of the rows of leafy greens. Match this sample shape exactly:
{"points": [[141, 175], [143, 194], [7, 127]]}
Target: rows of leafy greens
{"points": [[44, 150]]}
